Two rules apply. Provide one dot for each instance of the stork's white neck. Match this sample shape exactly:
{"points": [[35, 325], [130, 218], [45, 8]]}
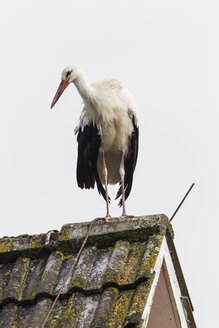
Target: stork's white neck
{"points": [[84, 89]]}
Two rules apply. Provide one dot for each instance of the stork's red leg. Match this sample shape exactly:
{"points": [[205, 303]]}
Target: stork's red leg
{"points": [[108, 216], [122, 176]]}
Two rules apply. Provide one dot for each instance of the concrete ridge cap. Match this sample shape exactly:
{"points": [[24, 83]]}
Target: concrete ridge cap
{"points": [[72, 234], [120, 224]]}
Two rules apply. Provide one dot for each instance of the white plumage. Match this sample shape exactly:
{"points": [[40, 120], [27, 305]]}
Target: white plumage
{"points": [[108, 126]]}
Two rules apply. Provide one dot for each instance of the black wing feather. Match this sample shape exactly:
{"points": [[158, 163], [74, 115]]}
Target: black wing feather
{"points": [[130, 162], [89, 141]]}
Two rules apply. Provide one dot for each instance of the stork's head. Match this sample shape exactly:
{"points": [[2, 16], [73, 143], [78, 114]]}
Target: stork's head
{"points": [[69, 75]]}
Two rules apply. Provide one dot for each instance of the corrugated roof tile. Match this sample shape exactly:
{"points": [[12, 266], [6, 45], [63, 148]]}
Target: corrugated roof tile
{"points": [[131, 266], [33, 279], [14, 289], [89, 305], [104, 308], [55, 320], [117, 263], [150, 256], [49, 278], [37, 313], [120, 309], [83, 268], [71, 310], [5, 274], [65, 267], [98, 269], [138, 302]]}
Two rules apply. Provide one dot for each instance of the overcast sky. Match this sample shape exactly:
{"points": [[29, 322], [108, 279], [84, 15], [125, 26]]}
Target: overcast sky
{"points": [[166, 53]]}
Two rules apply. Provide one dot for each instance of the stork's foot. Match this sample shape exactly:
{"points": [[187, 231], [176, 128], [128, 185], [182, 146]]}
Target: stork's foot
{"points": [[108, 217], [126, 216]]}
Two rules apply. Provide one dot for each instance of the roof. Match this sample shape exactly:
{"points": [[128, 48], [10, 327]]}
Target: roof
{"points": [[109, 286]]}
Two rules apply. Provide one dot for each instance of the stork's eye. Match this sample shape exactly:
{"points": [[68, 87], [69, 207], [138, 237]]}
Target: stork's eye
{"points": [[68, 73]]}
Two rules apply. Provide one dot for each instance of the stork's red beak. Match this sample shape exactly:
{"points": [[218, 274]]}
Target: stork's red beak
{"points": [[62, 86]]}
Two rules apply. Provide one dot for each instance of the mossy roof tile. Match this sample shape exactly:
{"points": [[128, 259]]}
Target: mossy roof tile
{"points": [[120, 309], [5, 274], [104, 308], [100, 264], [33, 278], [14, 289], [83, 268], [50, 274], [117, 262], [108, 287], [89, 305], [138, 302], [132, 264]]}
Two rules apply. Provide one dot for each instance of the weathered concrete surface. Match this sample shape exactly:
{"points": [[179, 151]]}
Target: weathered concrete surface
{"points": [[71, 235]]}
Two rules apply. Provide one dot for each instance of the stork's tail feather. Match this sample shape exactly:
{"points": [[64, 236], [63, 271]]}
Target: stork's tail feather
{"points": [[100, 187], [128, 188], [119, 193]]}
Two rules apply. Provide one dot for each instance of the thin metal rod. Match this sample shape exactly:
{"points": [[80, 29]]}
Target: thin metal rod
{"points": [[70, 271], [181, 202]]}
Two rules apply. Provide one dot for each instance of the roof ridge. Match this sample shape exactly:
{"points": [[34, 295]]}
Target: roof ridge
{"points": [[69, 239]]}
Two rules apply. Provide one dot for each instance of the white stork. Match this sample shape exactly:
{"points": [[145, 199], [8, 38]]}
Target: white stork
{"points": [[107, 134]]}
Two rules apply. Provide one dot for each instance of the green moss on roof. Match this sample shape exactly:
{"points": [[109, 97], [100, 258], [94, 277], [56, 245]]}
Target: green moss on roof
{"points": [[120, 309]]}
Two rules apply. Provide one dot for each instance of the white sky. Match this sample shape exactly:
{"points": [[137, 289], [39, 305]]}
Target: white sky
{"points": [[167, 54]]}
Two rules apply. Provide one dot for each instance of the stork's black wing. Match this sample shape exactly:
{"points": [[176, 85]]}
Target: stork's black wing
{"points": [[89, 141], [130, 161]]}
